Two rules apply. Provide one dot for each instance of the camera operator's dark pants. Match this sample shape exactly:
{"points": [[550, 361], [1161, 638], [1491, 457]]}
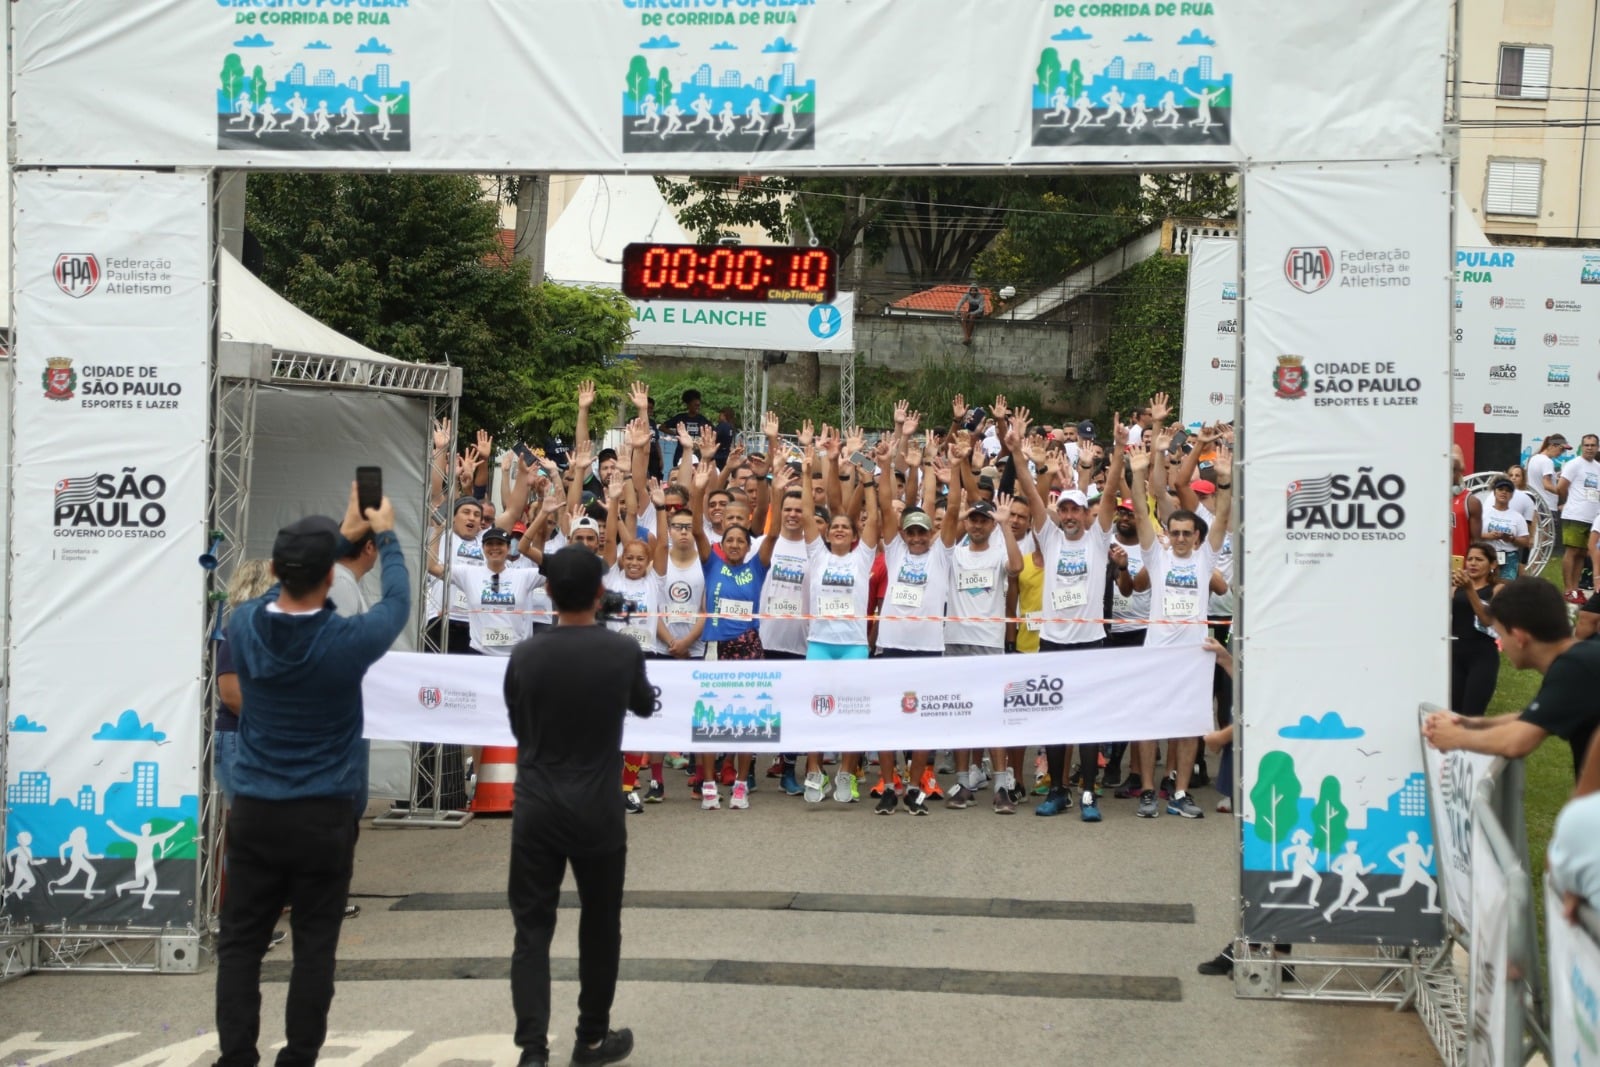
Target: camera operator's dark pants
{"points": [[296, 853], [535, 890]]}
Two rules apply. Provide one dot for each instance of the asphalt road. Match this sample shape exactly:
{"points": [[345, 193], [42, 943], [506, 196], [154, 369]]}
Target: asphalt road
{"points": [[786, 934]]}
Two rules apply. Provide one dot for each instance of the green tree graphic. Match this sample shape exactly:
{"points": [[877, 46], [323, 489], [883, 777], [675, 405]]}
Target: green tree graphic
{"points": [[232, 77], [258, 86], [1276, 796], [663, 87], [1049, 70], [638, 79], [1328, 819], [1074, 80]]}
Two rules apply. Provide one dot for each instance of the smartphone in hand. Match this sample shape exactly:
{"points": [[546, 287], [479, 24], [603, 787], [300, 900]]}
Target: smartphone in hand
{"points": [[369, 488]]}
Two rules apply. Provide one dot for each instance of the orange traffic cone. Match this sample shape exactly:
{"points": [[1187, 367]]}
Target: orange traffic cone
{"points": [[497, 775]]}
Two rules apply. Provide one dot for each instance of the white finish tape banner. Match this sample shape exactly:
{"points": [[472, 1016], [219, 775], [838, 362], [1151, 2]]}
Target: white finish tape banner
{"points": [[108, 496], [1574, 987], [1527, 328], [721, 85], [1453, 779], [1345, 568], [779, 327], [859, 706], [1211, 332]]}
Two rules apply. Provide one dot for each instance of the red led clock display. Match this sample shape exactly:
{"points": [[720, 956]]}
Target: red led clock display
{"points": [[759, 274]]}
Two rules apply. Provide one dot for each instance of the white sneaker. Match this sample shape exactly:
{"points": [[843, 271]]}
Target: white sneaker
{"points": [[816, 787], [741, 796], [844, 787], [709, 798]]}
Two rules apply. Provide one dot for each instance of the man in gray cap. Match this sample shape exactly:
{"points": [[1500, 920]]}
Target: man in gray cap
{"points": [[291, 837]]}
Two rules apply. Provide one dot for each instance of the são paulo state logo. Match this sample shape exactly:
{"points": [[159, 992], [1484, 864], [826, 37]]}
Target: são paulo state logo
{"points": [[59, 379], [1289, 378]]}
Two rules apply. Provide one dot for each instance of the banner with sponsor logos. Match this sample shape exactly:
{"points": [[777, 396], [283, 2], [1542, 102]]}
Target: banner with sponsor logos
{"points": [[1453, 779], [1491, 954], [1211, 332], [1527, 341], [1574, 959], [862, 706], [1345, 567], [112, 309], [779, 327], [670, 86]]}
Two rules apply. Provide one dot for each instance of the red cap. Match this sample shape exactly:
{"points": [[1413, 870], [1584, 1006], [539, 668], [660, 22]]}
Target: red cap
{"points": [[1201, 486]]}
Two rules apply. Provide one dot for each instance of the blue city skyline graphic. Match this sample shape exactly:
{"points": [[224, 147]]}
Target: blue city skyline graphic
{"points": [[740, 107], [1132, 99], [739, 717], [312, 104]]}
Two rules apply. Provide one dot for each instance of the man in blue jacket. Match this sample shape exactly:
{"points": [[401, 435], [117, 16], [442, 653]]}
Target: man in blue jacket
{"points": [[291, 834]]}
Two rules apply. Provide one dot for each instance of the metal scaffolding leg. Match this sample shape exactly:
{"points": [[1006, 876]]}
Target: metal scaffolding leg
{"points": [[752, 381], [847, 390]]}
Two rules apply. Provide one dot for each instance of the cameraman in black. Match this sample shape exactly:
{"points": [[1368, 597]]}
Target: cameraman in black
{"points": [[566, 692]]}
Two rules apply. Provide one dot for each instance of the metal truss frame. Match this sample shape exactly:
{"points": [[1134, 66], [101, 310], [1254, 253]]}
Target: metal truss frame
{"points": [[847, 391]]}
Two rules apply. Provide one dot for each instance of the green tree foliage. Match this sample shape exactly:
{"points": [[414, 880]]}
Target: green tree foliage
{"points": [[1050, 230], [638, 79], [258, 86], [232, 76], [1144, 349], [1276, 797], [1049, 70], [1074, 81], [402, 263], [1329, 817], [663, 87]]}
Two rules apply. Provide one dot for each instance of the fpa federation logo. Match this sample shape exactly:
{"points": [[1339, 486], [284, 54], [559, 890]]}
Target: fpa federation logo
{"points": [[76, 273], [1308, 268], [430, 696]]}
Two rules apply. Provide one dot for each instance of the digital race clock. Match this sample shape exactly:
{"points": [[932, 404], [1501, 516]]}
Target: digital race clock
{"points": [[750, 273]]}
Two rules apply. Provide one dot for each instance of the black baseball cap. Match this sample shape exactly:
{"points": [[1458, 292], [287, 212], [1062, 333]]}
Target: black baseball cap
{"points": [[1503, 482], [495, 533], [982, 508], [307, 546], [464, 501], [1086, 430]]}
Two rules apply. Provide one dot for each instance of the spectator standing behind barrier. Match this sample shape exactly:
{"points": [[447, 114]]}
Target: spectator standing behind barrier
{"points": [[568, 765], [291, 840], [1474, 654], [1578, 486], [251, 579], [1575, 844], [1531, 617]]}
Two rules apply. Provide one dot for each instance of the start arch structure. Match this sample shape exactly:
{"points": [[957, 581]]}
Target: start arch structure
{"points": [[1335, 119]]}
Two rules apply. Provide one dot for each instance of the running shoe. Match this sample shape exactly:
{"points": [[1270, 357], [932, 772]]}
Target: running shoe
{"points": [[947, 765], [1169, 786], [789, 786], [741, 796], [1089, 810], [881, 785], [960, 797], [887, 802], [631, 802], [709, 799], [1220, 964], [352, 910], [930, 785], [656, 794], [1042, 786], [1130, 788], [1018, 795], [277, 939], [916, 802], [750, 780], [695, 782], [776, 770], [676, 761], [1183, 804], [1200, 777], [1003, 804], [1225, 805], [1054, 803], [844, 788], [1148, 806], [816, 787], [728, 772]]}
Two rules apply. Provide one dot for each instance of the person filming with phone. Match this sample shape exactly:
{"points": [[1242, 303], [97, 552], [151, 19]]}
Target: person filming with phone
{"points": [[299, 768]]}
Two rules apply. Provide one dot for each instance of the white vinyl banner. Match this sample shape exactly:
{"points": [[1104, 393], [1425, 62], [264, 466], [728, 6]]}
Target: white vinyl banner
{"points": [[779, 327], [1345, 570], [1574, 987], [1527, 329], [721, 85], [1491, 945], [1453, 779], [1211, 331], [964, 702], [108, 496]]}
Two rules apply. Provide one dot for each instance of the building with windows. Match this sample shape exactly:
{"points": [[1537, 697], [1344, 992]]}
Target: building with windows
{"points": [[382, 72], [325, 78], [144, 784], [1530, 103], [730, 79], [33, 787], [297, 74], [702, 77], [1116, 69], [1205, 68], [86, 799]]}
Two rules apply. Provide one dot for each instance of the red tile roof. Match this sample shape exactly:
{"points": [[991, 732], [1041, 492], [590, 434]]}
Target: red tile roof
{"points": [[502, 256], [941, 299]]}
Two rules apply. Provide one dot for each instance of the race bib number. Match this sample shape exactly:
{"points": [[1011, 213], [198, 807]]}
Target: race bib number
{"points": [[837, 607], [458, 601], [1031, 621], [736, 609], [1591, 495], [781, 604], [974, 581], [906, 596], [1067, 597], [499, 637], [680, 609], [1181, 603], [645, 638]]}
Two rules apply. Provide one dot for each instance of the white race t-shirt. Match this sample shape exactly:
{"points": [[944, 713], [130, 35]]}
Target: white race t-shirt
{"points": [[464, 553], [1130, 612], [498, 604], [681, 592], [639, 600], [977, 590], [784, 593], [916, 586], [838, 600], [1583, 492], [1505, 521], [1540, 465], [1074, 583], [1178, 590]]}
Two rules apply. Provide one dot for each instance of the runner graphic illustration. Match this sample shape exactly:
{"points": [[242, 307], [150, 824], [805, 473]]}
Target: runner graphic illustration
{"points": [[1113, 102], [790, 104], [757, 117], [1203, 119], [1139, 112], [75, 853], [352, 117], [1059, 105], [269, 117], [321, 115], [702, 113], [1412, 859], [651, 115], [243, 113], [385, 104], [726, 115], [21, 863], [1300, 858], [1085, 117], [1169, 112], [297, 112], [674, 115], [1347, 865], [145, 845]]}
